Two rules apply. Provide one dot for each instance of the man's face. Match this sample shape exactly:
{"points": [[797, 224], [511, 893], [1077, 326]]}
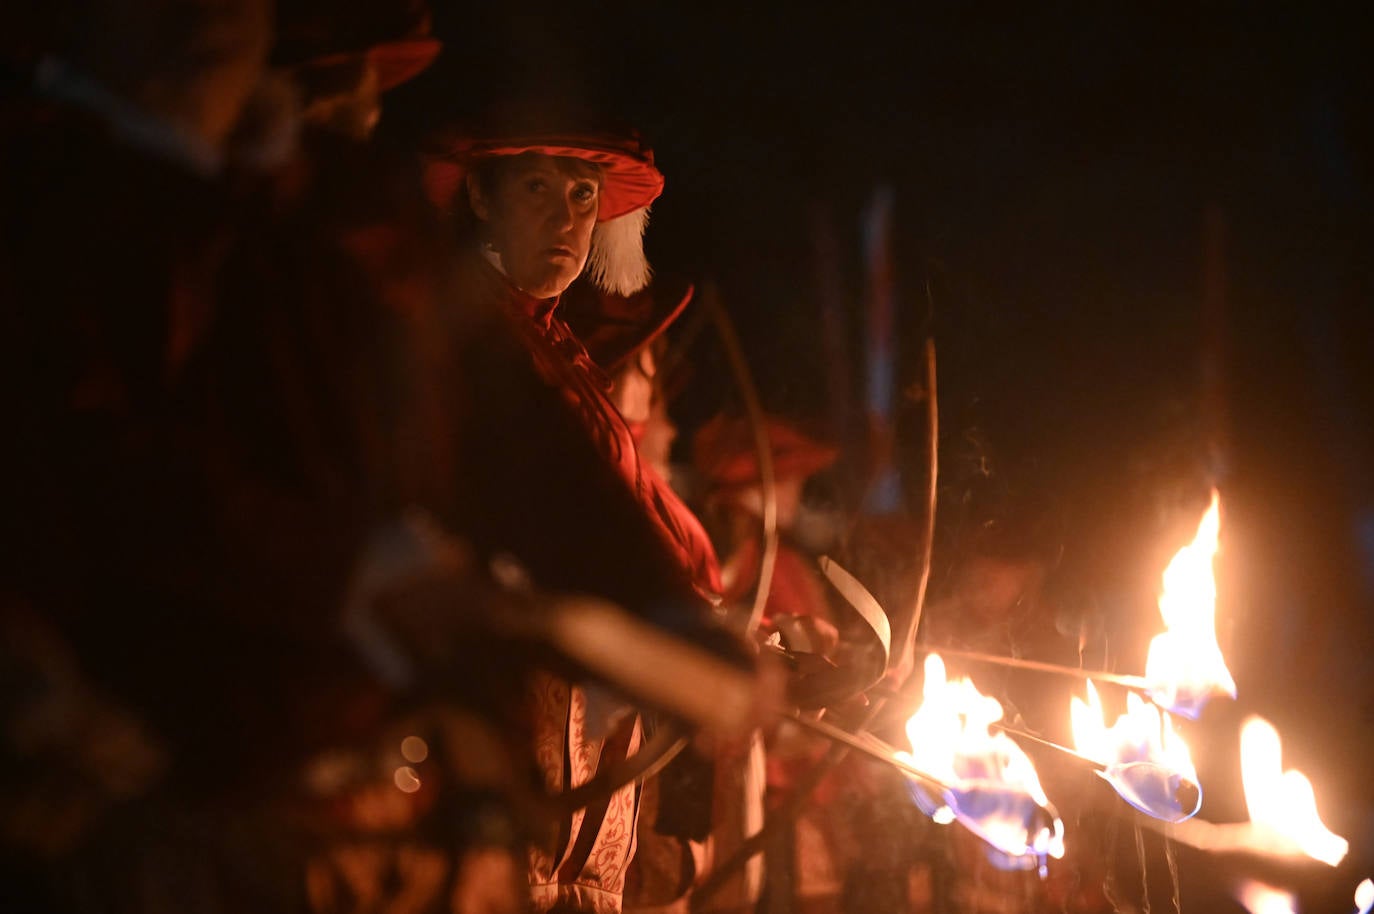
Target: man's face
{"points": [[540, 214]]}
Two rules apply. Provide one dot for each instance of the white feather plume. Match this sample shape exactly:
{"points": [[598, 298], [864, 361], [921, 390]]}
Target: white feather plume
{"points": [[616, 261]]}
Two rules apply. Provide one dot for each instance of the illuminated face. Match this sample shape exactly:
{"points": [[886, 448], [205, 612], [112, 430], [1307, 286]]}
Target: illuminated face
{"points": [[539, 213]]}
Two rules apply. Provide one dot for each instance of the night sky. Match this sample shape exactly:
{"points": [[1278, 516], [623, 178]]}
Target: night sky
{"points": [[1052, 175]]}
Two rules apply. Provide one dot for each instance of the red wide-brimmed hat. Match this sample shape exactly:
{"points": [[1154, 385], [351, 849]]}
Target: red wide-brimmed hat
{"points": [[393, 35], [630, 181], [612, 327], [725, 454], [629, 178], [398, 62]]}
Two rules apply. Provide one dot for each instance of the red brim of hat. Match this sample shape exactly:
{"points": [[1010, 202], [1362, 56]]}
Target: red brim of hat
{"points": [[743, 469], [398, 62], [612, 327], [629, 179], [672, 310], [724, 452]]}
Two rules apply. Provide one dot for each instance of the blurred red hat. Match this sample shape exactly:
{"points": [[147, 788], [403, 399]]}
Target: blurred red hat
{"points": [[394, 36], [725, 454], [612, 326]]}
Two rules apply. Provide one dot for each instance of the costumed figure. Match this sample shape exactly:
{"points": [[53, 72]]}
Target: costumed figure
{"points": [[820, 847], [533, 207], [725, 456], [253, 488]]}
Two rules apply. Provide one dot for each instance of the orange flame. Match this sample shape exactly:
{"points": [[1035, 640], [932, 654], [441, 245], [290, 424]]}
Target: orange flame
{"points": [[1145, 759], [1281, 803], [1258, 898], [993, 788], [1185, 665]]}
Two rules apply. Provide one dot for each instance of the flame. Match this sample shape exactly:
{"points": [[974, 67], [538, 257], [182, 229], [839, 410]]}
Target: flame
{"points": [[1364, 896], [993, 789], [1281, 803], [1185, 664], [1258, 898], [1142, 734], [1145, 759]]}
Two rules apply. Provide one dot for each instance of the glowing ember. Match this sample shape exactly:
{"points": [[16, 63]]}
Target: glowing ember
{"points": [[993, 789], [1258, 898], [1281, 803], [1146, 761], [1185, 664]]}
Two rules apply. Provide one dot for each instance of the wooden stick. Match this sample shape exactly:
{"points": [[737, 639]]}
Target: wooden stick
{"points": [[904, 641], [1076, 756], [877, 749], [870, 746], [753, 407], [1138, 683]]}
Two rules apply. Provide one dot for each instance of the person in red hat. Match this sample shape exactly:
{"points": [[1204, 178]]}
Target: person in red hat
{"points": [[534, 210], [823, 841], [209, 446], [343, 56], [534, 207], [471, 174], [322, 92], [725, 455]]}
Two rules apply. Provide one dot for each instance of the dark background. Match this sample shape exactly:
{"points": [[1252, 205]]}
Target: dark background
{"points": [[1054, 176]]}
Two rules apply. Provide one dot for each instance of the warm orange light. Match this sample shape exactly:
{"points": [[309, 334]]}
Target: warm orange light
{"points": [[1281, 803], [1258, 898], [414, 749], [994, 790], [1145, 759], [406, 779], [1185, 666]]}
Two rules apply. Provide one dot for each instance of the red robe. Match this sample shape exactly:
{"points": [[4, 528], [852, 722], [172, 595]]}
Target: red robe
{"points": [[584, 868], [564, 362]]}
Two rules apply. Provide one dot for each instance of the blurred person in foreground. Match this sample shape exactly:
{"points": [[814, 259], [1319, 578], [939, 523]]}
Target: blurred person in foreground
{"points": [[467, 450], [244, 521], [115, 214]]}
